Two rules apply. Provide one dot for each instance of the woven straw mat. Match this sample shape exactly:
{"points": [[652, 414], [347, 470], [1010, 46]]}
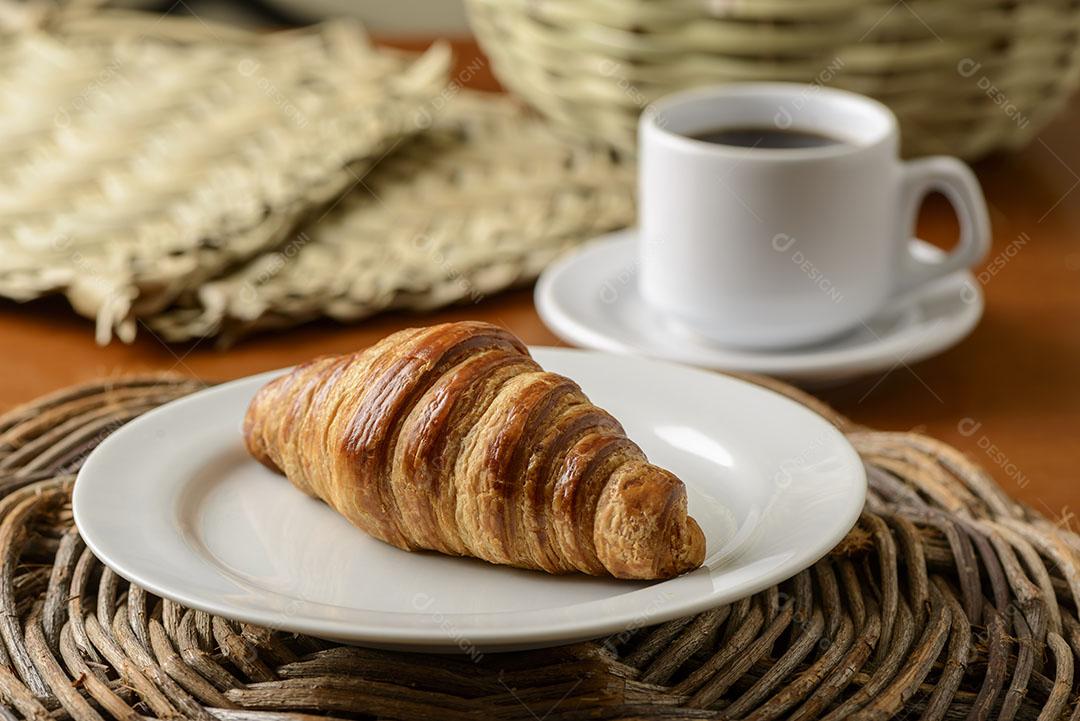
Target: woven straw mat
{"points": [[947, 601], [140, 155], [481, 201]]}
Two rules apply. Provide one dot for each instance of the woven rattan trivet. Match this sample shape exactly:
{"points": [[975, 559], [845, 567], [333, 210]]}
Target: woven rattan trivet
{"points": [[947, 601], [481, 201], [141, 155]]}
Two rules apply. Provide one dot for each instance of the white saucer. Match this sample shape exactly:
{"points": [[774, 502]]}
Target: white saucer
{"points": [[174, 503], [591, 299]]}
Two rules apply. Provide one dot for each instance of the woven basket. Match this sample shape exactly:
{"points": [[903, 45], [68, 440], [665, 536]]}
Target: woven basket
{"points": [[965, 77], [947, 601]]}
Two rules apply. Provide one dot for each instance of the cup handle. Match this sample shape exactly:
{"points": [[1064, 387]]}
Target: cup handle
{"points": [[955, 180]]}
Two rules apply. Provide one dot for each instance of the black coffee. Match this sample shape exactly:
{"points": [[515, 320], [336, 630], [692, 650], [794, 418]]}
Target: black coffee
{"points": [[765, 138]]}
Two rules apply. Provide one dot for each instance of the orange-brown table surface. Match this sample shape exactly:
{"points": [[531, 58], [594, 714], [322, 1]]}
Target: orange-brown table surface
{"points": [[1009, 395]]}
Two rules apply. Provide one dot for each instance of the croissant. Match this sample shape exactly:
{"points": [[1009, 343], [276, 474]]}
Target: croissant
{"points": [[452, 438]]}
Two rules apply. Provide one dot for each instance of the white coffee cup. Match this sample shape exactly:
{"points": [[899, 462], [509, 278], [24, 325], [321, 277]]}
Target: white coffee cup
{"points": [[768, 248]]}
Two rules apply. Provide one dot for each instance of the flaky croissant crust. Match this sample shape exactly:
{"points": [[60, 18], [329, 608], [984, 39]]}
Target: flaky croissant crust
{"points": [[452, 438]]}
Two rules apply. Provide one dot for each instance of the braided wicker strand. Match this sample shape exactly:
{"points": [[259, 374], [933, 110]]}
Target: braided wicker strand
{"points": [[946, 601]]}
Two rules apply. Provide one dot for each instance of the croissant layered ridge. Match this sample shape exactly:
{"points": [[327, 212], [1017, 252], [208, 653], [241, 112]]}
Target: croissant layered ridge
{"points": [[451, 438]]}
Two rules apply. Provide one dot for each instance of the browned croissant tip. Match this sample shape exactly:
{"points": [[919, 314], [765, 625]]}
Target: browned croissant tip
{"points": [[452, 438], [693, 551], [643, 530]]}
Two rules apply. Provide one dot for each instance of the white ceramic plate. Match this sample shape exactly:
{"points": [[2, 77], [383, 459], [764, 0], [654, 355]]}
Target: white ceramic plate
{"points": [[172, 502], [590, 299]]}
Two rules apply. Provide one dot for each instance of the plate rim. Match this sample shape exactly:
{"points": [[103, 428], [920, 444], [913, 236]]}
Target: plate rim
{"points": [[806, 363], [424, 638]]}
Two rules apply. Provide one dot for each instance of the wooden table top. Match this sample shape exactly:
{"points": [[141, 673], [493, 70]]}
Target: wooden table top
{"points": [[1008, 395]]}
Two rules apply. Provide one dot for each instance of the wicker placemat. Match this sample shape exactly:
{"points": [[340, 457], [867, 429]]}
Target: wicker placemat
{"points": [[947, 601], [141, 155], [479, 202]]}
